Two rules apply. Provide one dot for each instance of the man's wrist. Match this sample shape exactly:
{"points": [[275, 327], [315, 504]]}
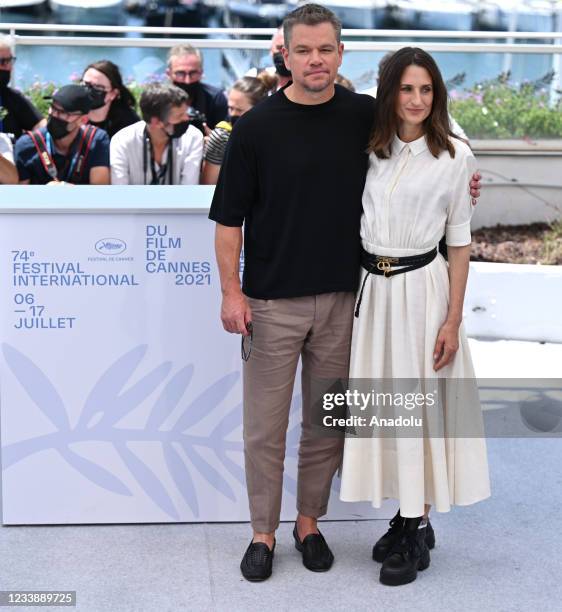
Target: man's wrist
{"points": [[230, 290]]}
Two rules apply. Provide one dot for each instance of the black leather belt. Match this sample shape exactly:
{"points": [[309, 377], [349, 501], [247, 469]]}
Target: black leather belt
{"points": [[382, 265]]}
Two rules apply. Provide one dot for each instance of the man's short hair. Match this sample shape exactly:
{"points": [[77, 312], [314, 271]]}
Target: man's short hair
{"points": [[7, 41], [158, 99], [184, 49], [310, 15]]}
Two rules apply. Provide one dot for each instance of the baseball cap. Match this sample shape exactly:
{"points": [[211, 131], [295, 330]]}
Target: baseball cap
{"points": [[73, 99]]}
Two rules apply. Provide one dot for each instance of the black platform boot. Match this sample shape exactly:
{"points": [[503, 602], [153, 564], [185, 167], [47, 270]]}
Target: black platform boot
{"points": [[407, 556], [387, 541]]}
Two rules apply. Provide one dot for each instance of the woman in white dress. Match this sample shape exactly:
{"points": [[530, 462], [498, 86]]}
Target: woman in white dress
{"points": [[408, 326]]}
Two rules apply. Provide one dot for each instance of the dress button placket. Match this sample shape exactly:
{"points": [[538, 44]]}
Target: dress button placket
{"points": [[400, 166]]}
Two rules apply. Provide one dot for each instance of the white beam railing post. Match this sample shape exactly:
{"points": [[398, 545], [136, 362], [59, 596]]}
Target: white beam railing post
{"points": [[556, 84]]}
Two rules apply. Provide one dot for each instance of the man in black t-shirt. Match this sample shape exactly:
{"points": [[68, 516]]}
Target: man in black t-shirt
{"points": [[17, 113], [293, 175]]}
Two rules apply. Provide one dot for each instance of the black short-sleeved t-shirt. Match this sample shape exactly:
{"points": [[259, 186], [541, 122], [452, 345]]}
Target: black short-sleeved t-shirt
{"points": [[294, 174], [18, 113], [30, 167]]}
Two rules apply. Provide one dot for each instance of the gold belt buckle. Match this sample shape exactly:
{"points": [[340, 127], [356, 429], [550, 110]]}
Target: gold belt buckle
{"points": [[384, 264]]}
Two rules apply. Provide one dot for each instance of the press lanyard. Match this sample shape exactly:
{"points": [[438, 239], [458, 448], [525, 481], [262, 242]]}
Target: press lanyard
{"points": [[158, 176], [50, 149]]}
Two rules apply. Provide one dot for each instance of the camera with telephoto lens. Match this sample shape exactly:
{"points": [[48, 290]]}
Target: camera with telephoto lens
{"points": [[197, 119]]}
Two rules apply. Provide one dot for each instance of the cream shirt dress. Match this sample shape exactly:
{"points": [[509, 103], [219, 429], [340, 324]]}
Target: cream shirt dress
{"points": [[409, 202]]}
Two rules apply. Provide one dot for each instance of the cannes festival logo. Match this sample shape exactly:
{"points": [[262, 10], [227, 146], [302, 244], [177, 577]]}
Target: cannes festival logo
{"points": [[172, 417], [111, 246]]}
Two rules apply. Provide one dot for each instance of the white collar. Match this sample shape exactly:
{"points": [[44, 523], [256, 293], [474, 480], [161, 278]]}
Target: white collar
{"points": [[416, 146]]}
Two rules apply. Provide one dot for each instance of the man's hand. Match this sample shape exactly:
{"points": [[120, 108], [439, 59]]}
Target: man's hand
{"points": [[235, 313], [475, 187]]}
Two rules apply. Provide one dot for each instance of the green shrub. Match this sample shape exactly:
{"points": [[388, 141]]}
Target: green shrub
{"points": [[38, 91], [491, 109], [500, 109], [552, 244]]}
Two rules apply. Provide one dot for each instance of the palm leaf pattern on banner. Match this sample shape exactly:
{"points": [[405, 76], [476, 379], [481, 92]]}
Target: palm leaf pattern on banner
{"points": [[38, 387], [111, 399]]}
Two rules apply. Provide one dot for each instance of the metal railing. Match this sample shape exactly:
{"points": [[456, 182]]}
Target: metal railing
{"points": [[346, 32], [227, 41], [243, 38]]}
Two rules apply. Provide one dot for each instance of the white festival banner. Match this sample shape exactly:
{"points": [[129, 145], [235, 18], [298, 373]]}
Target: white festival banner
{"points": [[120, 390]]}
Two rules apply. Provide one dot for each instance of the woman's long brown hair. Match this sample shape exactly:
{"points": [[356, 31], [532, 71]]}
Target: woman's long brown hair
{"points": [[436, 127]]}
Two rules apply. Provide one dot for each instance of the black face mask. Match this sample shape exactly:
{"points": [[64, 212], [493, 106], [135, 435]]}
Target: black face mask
{"points": [[179, 129], [58, 128], [191, 89], [233, 119], [280, 67], [4, 78], [97, 98]]}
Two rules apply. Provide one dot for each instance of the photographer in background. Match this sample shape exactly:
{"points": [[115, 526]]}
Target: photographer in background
{"points": [[278, 69], [17, 113], [185, 70], [162, 149], [8, 172], [113, 105], [68, 150]]}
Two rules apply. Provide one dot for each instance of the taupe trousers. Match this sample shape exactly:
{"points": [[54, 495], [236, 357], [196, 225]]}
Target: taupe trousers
{"points": [[318, 329]]}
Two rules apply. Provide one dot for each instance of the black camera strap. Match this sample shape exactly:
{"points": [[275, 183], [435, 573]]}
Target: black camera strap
{"points": [[158, 176]]}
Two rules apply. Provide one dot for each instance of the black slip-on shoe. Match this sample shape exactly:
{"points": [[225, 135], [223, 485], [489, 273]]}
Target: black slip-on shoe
{"points": [[257, 562], [316, 554], [385, 543]]}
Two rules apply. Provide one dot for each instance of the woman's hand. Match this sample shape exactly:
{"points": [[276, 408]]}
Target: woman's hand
{"points": [[446, 345]]}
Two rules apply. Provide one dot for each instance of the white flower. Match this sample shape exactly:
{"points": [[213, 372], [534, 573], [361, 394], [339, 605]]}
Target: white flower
{"points": [[484, 110]]}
